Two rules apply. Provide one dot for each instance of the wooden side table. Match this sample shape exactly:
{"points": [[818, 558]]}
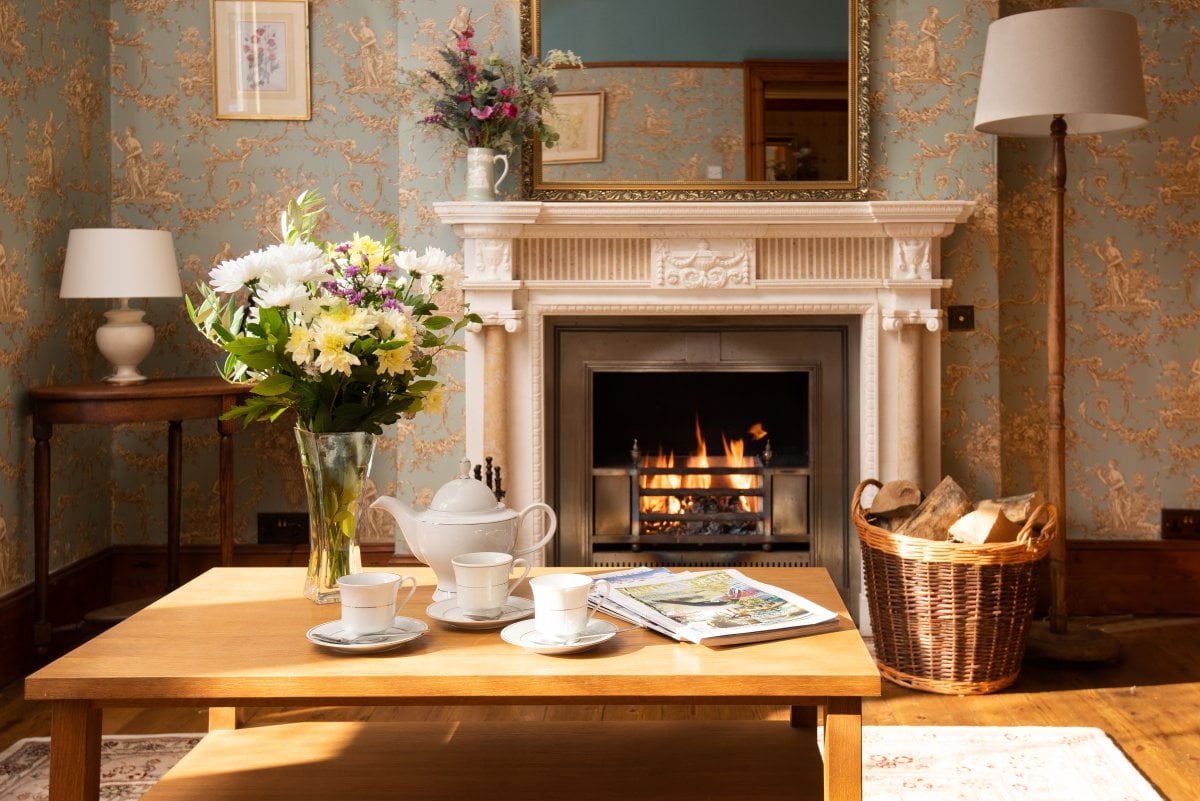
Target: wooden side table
{"points": [[171, 400]]}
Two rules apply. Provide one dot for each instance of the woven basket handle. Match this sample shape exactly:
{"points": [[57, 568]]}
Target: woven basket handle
{"points": [[856, 502]]}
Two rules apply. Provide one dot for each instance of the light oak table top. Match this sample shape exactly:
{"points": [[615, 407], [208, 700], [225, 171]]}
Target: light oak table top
{"points": [[235, 637]]}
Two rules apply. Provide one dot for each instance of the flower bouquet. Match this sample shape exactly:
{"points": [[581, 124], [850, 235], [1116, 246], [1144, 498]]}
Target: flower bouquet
{"points": [[488, 102], [347, 336]]}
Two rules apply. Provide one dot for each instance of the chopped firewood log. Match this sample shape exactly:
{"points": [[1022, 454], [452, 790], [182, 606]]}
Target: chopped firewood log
{"points": [[984, 526], [1016, 508], [896, 499], [931, 520]]}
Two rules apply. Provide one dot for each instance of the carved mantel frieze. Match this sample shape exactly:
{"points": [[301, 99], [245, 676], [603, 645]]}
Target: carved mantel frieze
{"points": [[703, 263]]}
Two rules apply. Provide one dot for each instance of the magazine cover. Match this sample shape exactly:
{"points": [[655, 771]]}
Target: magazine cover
{"points": [[716, 605]]}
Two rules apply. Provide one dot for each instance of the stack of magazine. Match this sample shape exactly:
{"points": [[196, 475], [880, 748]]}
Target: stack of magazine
{"points": [[710, 607]]}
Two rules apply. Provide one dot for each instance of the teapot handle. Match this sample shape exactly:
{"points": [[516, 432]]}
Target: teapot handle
{"points": [[549, 534]]}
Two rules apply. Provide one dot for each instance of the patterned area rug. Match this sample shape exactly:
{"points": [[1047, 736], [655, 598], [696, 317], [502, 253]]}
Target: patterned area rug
{"points": [[997, 763], [900, 763], [129, 765]]}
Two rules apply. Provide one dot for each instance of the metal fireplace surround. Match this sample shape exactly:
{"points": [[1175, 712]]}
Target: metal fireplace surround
{"points": [[874, 264]]}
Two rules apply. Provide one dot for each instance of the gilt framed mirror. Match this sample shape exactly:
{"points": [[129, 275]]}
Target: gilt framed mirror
{"points": [[705, 99]]}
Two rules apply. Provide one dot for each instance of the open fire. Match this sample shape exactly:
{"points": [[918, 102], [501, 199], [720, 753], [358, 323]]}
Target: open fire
{"points": [[703, 495]]}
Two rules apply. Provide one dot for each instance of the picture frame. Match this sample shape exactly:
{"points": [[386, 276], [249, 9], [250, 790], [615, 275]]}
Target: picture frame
{"points": [[260, 60], [579, 119]]}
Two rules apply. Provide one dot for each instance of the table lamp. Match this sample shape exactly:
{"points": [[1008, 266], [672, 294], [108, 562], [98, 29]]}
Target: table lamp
{"points": [[121, 263], [1044, 73]]}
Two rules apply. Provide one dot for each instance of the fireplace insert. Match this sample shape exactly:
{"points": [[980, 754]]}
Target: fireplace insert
{"points": [[717, 442]]}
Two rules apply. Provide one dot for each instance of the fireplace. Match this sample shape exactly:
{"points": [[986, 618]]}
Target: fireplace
{"points": [[705, 292], [700, 441]]}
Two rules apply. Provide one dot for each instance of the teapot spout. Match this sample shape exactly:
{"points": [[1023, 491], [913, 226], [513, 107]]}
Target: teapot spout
{"points": [[405, 518]]}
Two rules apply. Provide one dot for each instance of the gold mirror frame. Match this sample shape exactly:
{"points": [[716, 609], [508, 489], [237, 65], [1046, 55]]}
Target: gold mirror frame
{"points": [[853, 188]]}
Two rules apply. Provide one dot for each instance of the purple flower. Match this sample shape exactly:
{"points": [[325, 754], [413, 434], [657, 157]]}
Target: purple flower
{"points": [[483, 113]]}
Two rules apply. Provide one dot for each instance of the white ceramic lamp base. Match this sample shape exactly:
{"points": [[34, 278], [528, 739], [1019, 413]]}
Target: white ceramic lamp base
{"points": [[125, 341]]}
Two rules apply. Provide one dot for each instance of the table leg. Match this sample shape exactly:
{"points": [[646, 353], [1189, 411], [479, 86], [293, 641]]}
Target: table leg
{"points": [[221, 718], [843, 749], [225, 429], [174, 499], [42, 630], [74, 751], [803, 717]]}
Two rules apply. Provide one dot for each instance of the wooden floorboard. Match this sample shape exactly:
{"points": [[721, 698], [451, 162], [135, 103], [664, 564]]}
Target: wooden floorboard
{"points": [[1149, 703]]}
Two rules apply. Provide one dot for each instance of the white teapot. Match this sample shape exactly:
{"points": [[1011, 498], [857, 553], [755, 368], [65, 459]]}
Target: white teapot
{"points": [[464, 517]]}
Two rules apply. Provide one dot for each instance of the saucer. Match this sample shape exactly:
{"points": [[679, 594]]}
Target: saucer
{"points": [[447, 611], [524, 635], [402, 630]]}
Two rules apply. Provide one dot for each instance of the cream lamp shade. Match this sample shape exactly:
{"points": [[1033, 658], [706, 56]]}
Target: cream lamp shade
{"points": [[1083, 64], [121, 263]]}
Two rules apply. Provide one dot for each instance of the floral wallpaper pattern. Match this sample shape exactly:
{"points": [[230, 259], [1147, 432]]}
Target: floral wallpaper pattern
{"points": [[106, 119]]}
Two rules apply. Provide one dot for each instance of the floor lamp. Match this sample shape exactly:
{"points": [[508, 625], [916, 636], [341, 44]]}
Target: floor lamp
{"points": [[1044, 73]]}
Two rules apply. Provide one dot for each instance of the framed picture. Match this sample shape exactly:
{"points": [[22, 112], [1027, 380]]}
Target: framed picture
{"points": [[260, 59], [579, 119]]}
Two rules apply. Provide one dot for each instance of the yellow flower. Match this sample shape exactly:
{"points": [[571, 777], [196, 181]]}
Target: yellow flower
{"points": [[366, 252], [332, 353], [300, 345], [435, 400], [344, 318], [394, 361]]}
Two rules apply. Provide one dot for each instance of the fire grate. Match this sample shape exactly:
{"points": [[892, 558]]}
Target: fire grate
{"points": [[749, 507]]}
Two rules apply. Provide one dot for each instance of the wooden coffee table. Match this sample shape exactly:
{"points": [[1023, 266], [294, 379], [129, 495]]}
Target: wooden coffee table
{"points": [[235, 637]]}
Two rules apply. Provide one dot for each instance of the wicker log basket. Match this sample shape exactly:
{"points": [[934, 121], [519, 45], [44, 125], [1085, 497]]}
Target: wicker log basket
{"points": [[950, 617]]}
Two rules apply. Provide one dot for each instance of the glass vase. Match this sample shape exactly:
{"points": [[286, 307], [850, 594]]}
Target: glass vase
{"points": [[335, 474]]}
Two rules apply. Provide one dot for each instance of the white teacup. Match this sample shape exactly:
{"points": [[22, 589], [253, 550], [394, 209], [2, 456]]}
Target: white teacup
{"points": [[369, 600], [560, 608], [482, 580]]}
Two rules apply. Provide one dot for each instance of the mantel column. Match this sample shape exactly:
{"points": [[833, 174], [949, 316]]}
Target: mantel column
{"points": [[488, 292], [496, 380], [914, 270], [909, 329]]}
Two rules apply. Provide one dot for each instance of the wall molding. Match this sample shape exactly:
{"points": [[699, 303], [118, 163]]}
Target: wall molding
{"points": [[1131, 577]]}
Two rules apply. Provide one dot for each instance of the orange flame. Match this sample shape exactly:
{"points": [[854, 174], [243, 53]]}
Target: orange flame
{"points": [[734, 456]]}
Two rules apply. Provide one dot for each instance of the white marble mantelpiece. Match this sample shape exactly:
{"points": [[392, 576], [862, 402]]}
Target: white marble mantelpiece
{"points": [[878, 262]]}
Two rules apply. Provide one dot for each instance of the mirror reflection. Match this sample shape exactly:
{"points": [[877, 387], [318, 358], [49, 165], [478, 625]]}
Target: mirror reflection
{"points": [[701, 99]]}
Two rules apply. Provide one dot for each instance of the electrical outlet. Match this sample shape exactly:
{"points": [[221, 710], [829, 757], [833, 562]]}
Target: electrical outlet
{"points": [[283, 528], [960, 318], [1181, 524]]}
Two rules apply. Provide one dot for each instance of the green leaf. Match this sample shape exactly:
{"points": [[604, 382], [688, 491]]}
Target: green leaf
{"points": [[245, 345], [437, 323], [274, 385]]}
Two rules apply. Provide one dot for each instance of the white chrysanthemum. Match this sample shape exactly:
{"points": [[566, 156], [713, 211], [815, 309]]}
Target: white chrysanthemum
{"points": [[406, 262], [281, 296], [232, 275], [436, 260], [291, 264]]}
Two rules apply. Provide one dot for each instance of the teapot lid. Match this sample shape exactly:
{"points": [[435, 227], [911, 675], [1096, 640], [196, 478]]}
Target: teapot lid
{"points": [[465, 495]]}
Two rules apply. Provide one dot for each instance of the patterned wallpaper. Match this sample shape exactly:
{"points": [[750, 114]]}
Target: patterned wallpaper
{"points": [[106, 118]]}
